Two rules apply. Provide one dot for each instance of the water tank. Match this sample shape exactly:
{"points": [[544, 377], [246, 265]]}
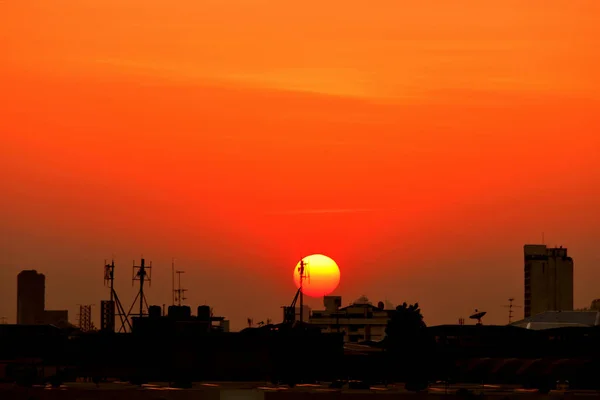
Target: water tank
{"points": [[204, 313], [154, 311], [381, 305]]}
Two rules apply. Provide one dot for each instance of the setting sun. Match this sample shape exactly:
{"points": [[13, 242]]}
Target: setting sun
{"points": [[322, 275]]}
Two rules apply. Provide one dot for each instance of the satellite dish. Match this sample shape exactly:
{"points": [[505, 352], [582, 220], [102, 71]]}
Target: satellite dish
{"points": [[478, 315]]}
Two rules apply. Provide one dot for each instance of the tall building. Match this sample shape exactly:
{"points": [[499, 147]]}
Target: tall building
{"points": [[31, 297], [548, 280], [31, 302]]}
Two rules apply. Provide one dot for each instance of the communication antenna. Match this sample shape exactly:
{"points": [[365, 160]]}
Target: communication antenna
{"points": [[303, 273], [179, 292], [289, 313], [478, 315], [173, 281], [510, 306], [141, 273], [108, 309]]}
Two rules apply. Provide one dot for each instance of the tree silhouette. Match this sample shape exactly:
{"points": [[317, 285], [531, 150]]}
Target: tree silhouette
{"points": [[408, 345], [406, 322]]}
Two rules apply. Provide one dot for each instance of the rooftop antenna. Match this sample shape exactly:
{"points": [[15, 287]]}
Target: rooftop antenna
{"points": [[510, 306], [289, 315], [173, 281], [303, 274], [141, 273], [478, 315], [108, 320], [179, 292]]}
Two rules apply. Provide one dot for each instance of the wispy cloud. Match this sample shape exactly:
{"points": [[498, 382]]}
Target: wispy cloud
{"points": [[327, 211]]}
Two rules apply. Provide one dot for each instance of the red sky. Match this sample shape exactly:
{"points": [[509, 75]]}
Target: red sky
{"points": [[418, 144]]}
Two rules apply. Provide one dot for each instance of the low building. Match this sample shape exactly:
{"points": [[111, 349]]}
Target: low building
{"points": [[59, 318], [179, 320], [560, 319], [360, 321]]}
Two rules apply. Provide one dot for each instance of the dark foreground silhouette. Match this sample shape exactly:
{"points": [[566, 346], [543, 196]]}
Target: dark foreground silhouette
{"points": [[293, 353]]}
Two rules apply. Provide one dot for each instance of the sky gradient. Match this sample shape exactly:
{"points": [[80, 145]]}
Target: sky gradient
{"points": [[418, 144]]}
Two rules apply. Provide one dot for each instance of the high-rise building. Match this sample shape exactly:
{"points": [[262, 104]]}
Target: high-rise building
{"points": [[548, 280], [31, 297]]}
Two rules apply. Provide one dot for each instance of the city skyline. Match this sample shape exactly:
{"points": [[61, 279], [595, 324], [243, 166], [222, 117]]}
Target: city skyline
{"points": [[541, 297], [418, 144]]}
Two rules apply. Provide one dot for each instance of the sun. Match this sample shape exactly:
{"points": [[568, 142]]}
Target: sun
{"points": [[323, 275]]}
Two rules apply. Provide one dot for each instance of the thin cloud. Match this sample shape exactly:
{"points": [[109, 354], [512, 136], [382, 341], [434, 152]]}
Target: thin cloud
{"points": [[327, 211]]}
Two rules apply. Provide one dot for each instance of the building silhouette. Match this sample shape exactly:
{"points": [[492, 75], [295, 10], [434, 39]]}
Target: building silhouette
{"points": [[31, 301], [360, 321], [31, 297], [548, 280], [560, 319]]}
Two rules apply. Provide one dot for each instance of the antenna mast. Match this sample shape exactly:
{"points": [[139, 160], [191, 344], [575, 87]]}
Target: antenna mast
{"points": [[173, 281], [303, 274], [179, 293], [141, 273], [289, 313], [510, 306], [108, 308]]}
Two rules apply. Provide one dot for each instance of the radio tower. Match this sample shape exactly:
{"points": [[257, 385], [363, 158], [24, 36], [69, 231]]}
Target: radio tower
{"points": [[108, 308], [510, 306], [141, 273], [85, 317]]}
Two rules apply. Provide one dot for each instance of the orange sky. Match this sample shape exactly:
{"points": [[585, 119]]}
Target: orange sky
{"points": [[419, 144]]}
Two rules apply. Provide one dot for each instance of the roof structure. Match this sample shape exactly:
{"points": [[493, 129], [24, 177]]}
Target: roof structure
{"points": [[360, 349], [560, 319], [360, 305]]}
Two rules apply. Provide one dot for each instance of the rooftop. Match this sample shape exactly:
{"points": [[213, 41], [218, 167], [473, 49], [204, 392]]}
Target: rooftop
{"points": [[556, 319]]}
